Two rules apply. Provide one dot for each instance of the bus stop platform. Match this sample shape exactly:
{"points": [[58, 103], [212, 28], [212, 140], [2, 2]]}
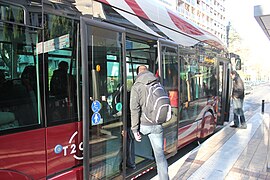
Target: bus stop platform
{"points": [[231, 153]]}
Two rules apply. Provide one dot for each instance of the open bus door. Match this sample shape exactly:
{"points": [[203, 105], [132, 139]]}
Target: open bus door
{"points": [[156, 55], [170, 78], [103, 103], [224, 91]]}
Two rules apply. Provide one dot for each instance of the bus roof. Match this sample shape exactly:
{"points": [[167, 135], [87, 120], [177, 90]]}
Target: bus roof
{"points": [[175, 27]]}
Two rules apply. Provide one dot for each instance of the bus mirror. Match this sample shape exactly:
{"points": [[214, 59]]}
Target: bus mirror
{"points": [[238, 64]]}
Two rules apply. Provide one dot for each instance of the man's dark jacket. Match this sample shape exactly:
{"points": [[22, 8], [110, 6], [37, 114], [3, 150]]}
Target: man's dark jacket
{"points": [[238, 87]]}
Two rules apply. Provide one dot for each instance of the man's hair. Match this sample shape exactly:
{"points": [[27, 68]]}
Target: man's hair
{"points": [[63, 65]]}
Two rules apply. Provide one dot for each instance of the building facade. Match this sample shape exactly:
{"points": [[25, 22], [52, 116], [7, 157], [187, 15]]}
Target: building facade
{"points": [[208, 14]]}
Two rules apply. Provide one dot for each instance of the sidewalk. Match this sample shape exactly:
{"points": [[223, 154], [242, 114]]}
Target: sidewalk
{"points": [[229, 154]]}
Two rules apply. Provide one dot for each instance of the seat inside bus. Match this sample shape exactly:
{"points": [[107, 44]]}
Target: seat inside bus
{"points": [[18, 105]]}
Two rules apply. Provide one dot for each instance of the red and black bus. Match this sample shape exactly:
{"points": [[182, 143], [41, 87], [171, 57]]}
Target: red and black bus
{"points": [[66, 68]]}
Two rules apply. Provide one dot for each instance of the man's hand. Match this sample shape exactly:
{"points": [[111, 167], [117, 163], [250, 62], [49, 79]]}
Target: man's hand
{"points": [[137, 136]]}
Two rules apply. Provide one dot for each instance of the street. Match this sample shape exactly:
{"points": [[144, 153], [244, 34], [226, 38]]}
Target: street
{"points": [[254, 99]]}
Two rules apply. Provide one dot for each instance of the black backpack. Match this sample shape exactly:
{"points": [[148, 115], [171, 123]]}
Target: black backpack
{"points": [[157, 105]]}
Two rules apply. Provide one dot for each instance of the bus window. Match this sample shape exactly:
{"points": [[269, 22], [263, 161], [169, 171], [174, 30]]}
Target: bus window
{"points": [[198, 82], [19, 87], [189, 84], [170, 74], [210, 82], [138, 53], [200, 79], [12, 13], [61, 84]]}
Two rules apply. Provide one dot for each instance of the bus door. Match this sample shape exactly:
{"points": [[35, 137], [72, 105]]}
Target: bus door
{"points": [[168, 71], [224, 91], [103, 102], [139, 51]]}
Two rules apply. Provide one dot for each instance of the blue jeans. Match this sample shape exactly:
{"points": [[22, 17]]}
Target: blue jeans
{"points": [[238, 111], [155, 134]]}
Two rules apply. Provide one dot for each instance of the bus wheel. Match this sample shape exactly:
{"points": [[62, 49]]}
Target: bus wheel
{"points": [[208, 125]]}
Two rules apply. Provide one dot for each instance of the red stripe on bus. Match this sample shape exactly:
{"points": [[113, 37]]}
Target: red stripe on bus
{"points": [[183, 25], [137, 9], [142, 173]]}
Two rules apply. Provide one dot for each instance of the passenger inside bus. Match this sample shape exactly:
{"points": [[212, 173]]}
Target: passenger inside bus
{"points": [[2, 77], [5, 117], [170, 80], [29, 78], [18, 101], [171, 84], [62, 88], [62, 84], [213, 84]]}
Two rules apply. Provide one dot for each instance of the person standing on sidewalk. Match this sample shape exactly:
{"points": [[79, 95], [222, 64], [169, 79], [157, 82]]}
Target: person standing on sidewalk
{"points": [[238, 94], [139, 124]]}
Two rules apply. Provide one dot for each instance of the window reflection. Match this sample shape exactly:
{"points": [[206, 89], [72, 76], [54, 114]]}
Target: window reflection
{"points": [[18, 70], [198, 81], [59, 49], [12, 13]]}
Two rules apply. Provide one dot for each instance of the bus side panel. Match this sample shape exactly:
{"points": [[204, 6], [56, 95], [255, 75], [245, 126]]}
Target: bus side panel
{"points": [[64, 147], [76, 173], [9, 175], [187, 134], [23, 153], [207, 126]]}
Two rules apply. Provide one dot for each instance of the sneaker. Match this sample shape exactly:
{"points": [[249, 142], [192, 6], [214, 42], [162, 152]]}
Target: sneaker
{"points": [[234, 126], [243, 126]]}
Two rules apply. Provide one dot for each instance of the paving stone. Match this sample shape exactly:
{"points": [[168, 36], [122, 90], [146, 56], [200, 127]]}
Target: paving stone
{"points": [[245, 155]]}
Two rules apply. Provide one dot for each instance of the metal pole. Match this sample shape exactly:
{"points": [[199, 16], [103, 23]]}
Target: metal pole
{"points": [[268, 145], [262, 106], [267, 128], [85, 99]]}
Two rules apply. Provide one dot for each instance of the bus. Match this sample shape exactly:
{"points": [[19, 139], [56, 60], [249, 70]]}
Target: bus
{"points": [[66, 70]]}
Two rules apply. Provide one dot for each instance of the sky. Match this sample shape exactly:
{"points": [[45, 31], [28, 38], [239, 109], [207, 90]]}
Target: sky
{"points": [[241, 15]]}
